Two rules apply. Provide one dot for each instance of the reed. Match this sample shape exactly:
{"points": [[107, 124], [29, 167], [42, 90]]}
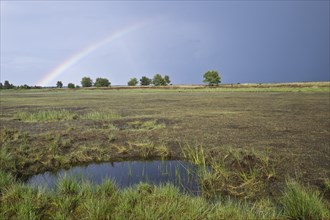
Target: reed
{"points": [[195, 154]]}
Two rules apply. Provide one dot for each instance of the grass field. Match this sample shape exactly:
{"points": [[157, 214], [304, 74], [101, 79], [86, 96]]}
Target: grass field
{"points": [[264, 143]]}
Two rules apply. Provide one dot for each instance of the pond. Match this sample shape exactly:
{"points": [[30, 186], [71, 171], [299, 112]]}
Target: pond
{"points": [[128, 173]]}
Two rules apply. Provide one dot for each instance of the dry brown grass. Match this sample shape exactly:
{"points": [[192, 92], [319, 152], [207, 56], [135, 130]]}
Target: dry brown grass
{"points": [[292, 127]]}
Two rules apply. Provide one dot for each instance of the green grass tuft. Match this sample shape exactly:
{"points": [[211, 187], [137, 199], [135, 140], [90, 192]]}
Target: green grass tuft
{"points": [[241, 174], [68, 186], [6, 179], [7, 161], [46, 116], [327, 184], [103, 116], [144, 147], [194, 153], [303, 203], [107, 188], [82, 200]]}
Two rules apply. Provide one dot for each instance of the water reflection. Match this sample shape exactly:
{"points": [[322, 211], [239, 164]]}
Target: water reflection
{"points": [[179, 173]]}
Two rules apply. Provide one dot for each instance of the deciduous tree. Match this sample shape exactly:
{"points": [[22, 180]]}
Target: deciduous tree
{"points": [[158, 80], [7, 85], [132, 82], [212, 78], [167, 79], [102, 82], [145, 81], [86, 82], [59, 84]]}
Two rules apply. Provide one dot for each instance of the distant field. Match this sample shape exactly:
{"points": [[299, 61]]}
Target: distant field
{"points": [[286, 124], [284, 87]]}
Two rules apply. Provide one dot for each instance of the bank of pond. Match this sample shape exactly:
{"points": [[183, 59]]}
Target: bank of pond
{"points": [[159, 189]]}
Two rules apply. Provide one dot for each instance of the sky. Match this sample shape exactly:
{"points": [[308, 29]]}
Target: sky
{"points": [[43, 42]]}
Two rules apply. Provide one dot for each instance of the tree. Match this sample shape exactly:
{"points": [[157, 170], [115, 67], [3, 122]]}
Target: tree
{"points": [[7, 85], [145, 81], [25, 86], [167, 79], [71, 86], [158, 80], [59, 84], [86, 82], [132, 82], [101, 82], [212, 77], [1, 86]]}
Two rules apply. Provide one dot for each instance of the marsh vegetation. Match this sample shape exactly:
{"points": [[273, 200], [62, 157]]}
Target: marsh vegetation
{"points": [[263, 152]]}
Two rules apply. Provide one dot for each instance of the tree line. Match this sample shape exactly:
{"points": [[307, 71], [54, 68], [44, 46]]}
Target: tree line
{"points": [[211, 77], [8, 85], [157, 80]]}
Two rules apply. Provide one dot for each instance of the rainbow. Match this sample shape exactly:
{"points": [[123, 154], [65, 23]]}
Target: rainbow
{"points": [[76, 57]]}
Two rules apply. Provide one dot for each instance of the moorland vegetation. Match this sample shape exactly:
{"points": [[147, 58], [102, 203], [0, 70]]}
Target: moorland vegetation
{"points": [[267, 146]]}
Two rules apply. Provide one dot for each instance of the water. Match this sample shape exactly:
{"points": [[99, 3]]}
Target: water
{"points": [[128, 173]]}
